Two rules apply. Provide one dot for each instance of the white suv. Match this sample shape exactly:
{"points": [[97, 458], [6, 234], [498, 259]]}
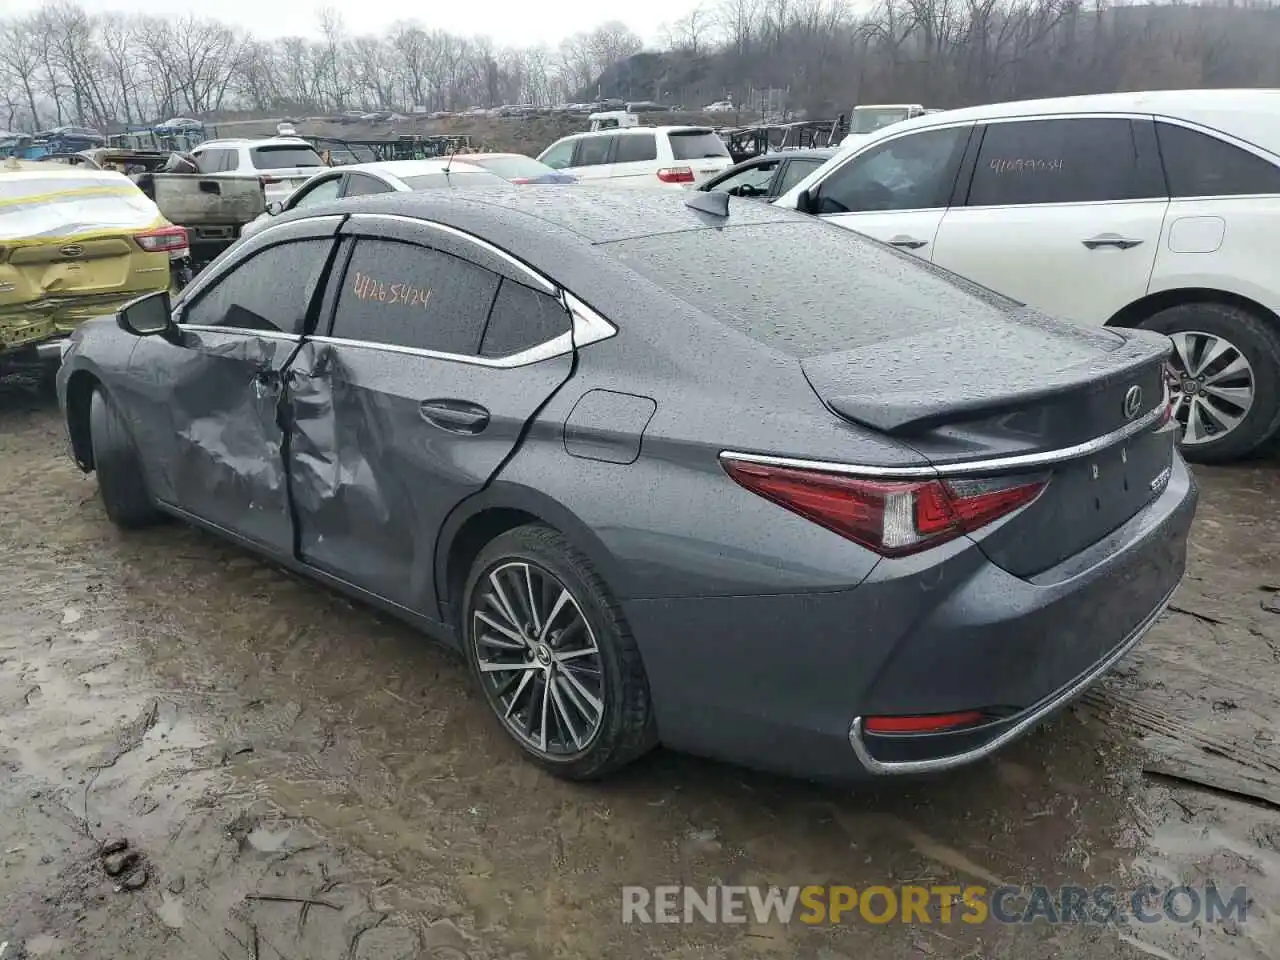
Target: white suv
{"points": [[1154, 210], [281, 164], [641, 156]]}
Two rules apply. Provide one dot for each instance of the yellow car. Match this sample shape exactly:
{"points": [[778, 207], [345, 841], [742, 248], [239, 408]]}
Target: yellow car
{"points": [[75, 243]]}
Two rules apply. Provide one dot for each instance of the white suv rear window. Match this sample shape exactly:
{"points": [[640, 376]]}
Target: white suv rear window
{"points": [[283, 156], [696, 145]]}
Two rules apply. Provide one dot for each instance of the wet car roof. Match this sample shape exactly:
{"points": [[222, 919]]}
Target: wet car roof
{"points": [[519, 215]]}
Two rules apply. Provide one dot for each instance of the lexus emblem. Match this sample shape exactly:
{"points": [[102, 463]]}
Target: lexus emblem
{"points": [[1132, 402], [72, 250]]}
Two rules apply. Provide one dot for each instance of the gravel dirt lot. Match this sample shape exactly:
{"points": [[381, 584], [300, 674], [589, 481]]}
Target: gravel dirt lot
{"points": [[305, 780]]}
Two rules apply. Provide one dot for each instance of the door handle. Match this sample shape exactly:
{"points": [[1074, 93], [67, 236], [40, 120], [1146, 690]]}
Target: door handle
{"points": [[456, 416], [1111, 240], [911, 243]]}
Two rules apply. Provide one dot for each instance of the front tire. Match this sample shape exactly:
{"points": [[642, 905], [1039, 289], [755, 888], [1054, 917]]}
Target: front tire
{"points": [[553, 656], [1226, 373], [121, 483]]}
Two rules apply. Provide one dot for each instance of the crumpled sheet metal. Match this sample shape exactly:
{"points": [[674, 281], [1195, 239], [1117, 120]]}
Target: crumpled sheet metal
{"points": [[327, 461], [37, 207], [237, 441]]}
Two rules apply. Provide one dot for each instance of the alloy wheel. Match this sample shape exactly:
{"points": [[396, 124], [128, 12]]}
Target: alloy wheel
{"points": [[1211, 384], [538, 659]]}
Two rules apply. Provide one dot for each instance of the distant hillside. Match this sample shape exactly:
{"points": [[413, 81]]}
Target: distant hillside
{"points": [[930, 53]]}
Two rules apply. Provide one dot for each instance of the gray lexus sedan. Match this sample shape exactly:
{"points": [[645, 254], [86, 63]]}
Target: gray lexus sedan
{"points": [[665, 467]]}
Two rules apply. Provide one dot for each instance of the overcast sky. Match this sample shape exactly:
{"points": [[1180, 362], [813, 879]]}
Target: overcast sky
{"points": [[508, 22]]}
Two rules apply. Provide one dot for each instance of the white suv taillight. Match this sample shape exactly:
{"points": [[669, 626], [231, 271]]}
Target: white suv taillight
{"points": [[164, 240], [676, 174]]}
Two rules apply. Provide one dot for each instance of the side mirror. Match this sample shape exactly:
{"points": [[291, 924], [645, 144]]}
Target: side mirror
{"points": [[148, 316], [275, 208], [807, 202]]}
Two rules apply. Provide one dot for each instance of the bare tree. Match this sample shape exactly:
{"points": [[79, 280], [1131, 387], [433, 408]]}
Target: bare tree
{"points": [[20, 66], [63, 63], [692, 32]]}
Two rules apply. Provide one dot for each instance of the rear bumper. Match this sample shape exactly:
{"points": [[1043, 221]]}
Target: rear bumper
{"points": [[947, 750], [783, 682], [32, 324]]}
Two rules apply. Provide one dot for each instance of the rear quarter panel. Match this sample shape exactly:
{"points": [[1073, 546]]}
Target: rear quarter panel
{"points": [[672, 523], [1226, 243]]}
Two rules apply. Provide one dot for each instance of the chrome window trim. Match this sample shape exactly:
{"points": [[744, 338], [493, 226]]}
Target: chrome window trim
{"points": [[586, 325], [1059, 203], [962, 468], [242, 332], [547, 286], [547, 350]]}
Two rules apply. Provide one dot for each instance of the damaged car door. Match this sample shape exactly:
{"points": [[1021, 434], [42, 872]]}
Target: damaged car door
{"points": [[439, 353], [217, 387]]}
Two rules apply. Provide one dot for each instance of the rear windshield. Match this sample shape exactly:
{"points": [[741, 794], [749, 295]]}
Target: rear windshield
{"points": [[696, 144], [804, 289], [283, 156], [458, 178], [512, 167]]}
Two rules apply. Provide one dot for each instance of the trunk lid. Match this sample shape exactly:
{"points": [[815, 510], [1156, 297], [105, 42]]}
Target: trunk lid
{"points": [[952, 397]]}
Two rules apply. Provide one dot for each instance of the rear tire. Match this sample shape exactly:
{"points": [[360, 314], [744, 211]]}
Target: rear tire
{"points": [[121, 482], [1197, 328], [518, 667]]}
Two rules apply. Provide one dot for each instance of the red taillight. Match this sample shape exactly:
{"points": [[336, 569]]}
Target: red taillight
{"points": [[676, 174], [893, 518], [520, 180], [164, 240], [931, 723]]}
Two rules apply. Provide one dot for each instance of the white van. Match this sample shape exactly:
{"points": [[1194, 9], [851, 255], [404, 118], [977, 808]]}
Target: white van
{"points": [[641, 156], [1154, 210]]}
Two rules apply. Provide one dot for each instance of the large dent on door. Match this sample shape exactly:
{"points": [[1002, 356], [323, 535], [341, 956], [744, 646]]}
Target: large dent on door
{"points": [[330, 458], [226, 425]]}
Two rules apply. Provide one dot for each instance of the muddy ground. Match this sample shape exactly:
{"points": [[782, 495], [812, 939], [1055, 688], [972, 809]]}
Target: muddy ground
{"points": [[261, 741]]}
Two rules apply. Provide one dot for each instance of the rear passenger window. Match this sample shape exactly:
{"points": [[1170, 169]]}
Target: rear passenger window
{"points": [[1061, 161], [522, 318], [635, 148], [405, 295], [1198, 165], [593, 151]]}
